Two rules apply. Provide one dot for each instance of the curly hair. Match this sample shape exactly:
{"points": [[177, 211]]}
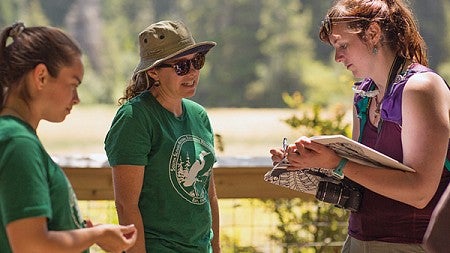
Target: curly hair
{"points": [[138, 83]]}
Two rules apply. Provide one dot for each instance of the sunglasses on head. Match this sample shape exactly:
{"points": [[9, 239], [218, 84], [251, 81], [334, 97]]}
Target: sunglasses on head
{"points": [[328, 22], [184, 66]]}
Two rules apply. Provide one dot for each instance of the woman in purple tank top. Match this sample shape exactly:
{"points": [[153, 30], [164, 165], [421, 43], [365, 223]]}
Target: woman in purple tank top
{"points": [[401, 109]]}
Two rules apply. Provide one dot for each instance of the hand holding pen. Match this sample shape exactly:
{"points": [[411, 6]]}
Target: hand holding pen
{"points": [[284, 163]]}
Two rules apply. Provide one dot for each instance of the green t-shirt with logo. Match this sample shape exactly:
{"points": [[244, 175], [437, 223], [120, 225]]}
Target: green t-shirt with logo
{"points": [[178, 155], [31, 183]]}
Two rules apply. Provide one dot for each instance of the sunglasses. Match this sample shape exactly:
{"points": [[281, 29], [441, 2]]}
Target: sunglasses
{"points": [[328, 22], [184, 66]]}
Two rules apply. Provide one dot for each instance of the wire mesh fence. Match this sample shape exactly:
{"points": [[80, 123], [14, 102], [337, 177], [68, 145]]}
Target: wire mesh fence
{"points": [[246, 226]]}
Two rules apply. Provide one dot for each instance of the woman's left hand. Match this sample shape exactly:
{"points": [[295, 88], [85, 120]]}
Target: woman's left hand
{"points": [[307, 154]]}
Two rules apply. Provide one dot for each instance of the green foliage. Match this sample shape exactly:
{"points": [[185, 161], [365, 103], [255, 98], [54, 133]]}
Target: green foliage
{"points": [[56, 10], [307, 226], [8, 11], [286, 49], [28, 11], [313, 122], [432, 15], [229, 67], [264, 47], [327, 84], [231, 245]]}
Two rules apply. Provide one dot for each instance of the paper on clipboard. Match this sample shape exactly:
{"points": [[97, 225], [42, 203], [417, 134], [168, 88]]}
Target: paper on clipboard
{"points": [[306, 180]]}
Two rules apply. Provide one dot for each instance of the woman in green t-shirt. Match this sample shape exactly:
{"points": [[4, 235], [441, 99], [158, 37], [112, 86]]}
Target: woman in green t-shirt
{"points": [[161, 147], [40, 71]]}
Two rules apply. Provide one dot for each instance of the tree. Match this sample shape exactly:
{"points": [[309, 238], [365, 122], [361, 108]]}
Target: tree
{"points": [[286, 48], [431, 18], [230, 65], [56, 10], [8, 11], [264, 47]]}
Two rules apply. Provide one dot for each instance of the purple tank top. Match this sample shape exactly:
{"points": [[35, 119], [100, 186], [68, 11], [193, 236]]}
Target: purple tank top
{"points": [[381, 218]]}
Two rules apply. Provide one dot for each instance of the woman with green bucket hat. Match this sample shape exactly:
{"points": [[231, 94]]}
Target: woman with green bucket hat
{"points": [[161, 147]]}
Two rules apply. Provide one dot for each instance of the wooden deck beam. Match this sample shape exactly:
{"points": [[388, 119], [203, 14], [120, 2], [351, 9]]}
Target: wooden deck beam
{"points": [[237, 181]]}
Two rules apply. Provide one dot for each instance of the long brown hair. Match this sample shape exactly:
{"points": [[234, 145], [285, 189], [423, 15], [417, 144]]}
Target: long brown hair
{"points": [[31, 46], [137, 84], [397, 22]]}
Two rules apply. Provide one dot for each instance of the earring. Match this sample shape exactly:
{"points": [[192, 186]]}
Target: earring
{"points": [[374, 50], [156, 83]]}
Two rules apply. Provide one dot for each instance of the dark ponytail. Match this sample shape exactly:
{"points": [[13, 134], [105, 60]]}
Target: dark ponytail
{"points": [[11, 31], [31, 46]]}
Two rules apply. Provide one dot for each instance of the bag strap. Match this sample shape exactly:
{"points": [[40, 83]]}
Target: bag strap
{"points": [[363, 111], [447, 162]]}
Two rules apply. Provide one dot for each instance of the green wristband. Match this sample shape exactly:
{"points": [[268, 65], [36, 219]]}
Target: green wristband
{"points": [[338, 172]]}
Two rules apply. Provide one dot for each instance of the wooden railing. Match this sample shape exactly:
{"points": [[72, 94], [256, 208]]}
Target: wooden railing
{"points": [[234, 178]]}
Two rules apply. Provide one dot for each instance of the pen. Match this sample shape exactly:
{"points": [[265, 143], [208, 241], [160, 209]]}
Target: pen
{"points": [[282, 164], [285, 146]]}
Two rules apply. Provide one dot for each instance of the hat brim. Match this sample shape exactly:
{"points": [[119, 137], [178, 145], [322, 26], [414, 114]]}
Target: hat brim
{"points": [[145, 65]]}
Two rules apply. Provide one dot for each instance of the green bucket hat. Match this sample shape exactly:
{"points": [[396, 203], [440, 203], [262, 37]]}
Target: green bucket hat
{"points": [[165, 40]]}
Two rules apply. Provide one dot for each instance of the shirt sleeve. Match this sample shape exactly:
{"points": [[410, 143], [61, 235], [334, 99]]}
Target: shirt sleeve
{"points": [[128, 141], [24, 188]]}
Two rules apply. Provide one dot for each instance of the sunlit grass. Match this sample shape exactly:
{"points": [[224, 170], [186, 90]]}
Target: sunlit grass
{"points": [[244, 131]]}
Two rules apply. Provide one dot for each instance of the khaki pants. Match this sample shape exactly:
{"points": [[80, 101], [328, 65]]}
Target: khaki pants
{"points": [[353, 245]]}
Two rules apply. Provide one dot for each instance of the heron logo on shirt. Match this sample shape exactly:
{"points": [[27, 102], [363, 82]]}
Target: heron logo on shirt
{"points": [[190, 168]]}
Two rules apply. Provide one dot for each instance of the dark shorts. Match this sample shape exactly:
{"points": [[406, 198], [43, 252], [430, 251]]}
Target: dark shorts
{"points": [[353, 245]]}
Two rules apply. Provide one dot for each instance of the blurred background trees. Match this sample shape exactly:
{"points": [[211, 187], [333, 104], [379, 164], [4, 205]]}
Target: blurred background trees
{"points": [[264, 47]]}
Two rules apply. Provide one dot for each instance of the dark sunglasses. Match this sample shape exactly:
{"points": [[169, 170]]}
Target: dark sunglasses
{"points": [[328, 22], [184, 66]]}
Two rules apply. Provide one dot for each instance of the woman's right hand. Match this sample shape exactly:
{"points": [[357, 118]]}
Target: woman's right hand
{"points": [[116, 238]]}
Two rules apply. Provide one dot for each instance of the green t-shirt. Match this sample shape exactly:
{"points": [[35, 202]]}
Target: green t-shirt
{"points": [[178, 155], [31, 183]]}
